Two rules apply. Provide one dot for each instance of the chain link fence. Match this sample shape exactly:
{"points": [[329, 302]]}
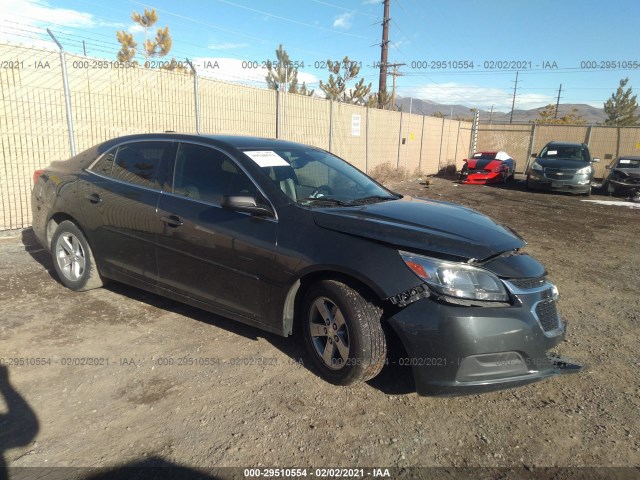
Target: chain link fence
{"points": [[520, 141], [55, 104]]}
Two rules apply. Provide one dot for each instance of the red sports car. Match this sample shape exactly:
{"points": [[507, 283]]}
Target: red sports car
{"points": [[488, 167]]}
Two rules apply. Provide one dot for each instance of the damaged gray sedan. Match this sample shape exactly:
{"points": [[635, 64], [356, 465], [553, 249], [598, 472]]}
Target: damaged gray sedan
{"points": [[289, 238]]}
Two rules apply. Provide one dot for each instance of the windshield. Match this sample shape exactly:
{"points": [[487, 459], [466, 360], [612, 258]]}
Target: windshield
{"points": [[484, 156], [628, 163], [566, 152], [314, 177]]}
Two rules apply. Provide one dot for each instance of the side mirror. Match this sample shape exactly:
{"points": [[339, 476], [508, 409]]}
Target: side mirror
{"points": [[595, 160], [245, 204], [534, 155]]}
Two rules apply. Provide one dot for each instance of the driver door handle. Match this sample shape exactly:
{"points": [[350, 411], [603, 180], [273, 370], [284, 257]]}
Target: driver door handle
{"points": [[172, 221]]}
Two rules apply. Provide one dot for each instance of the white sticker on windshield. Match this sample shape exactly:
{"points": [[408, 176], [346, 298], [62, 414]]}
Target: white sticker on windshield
{"points": [[267, 158], [552, 152], [477, 155], [624, 160]]}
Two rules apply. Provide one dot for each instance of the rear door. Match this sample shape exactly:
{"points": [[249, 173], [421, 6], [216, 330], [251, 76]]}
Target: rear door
{"points": [[119, 196], [209, 253]]}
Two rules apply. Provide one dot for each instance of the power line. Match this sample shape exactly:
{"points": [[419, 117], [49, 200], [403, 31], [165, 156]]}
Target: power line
{"points": [[513, 104], [558, 102], [384, 55], [291, 20]]}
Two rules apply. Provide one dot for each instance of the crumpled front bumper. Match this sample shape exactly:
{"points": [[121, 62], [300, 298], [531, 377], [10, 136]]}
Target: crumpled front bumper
{"points": [[457, 350]]}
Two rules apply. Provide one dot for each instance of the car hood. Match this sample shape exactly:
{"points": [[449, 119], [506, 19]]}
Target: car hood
{"points": [[561, 163], [483, 164], [628, 172], [423, 225]]}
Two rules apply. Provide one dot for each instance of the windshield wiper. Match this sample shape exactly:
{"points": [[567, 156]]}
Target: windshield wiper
{"points": [[323, 200], [372, 199]]}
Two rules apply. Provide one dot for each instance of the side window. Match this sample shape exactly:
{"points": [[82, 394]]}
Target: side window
{"points": [[139, 162], [104, 166], [207, 174]]}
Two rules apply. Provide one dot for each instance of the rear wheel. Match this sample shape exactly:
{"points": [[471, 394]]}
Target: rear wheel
{"points": [[343, 333], [73, 258]]}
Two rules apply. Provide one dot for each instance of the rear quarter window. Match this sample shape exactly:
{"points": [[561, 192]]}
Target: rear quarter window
{"points": [[139, 162]]}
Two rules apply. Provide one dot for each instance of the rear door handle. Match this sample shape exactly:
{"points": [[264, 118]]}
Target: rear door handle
{"points": [[94, 198], [172, 221]]}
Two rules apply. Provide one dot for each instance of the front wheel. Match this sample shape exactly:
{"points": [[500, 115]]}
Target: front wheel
{"points": [[343, 333], [73, 258]]}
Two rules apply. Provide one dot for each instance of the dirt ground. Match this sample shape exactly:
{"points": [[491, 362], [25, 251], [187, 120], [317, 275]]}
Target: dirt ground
{"points": [[178, 385]]}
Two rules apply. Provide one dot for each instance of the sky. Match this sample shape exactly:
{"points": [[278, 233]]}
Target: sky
{"points": [[454, 51]]}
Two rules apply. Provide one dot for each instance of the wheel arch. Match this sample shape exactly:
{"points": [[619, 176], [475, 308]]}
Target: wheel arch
{"points": [[54, 221], [299, 288]]}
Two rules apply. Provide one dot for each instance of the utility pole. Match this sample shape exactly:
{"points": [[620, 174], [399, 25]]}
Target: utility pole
{"points": [[382, 85], [558, 102], [513, 103], [491, 115], [393, 91]]}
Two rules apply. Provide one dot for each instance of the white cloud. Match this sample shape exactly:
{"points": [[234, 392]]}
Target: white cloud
{"points": [[24, 21], [481, 97], [239, 71], [135, 28], [226, 46], [343, 21], [39, 11]]}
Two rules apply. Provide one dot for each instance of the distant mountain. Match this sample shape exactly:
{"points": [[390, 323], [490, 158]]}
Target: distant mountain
{"points": [[591, 115]]}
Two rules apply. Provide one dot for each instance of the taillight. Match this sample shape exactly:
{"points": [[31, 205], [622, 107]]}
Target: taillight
{"points": [[36, 175]]}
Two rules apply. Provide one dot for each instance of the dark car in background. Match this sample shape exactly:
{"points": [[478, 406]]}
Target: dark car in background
{"points": [[564, 167], [623, 177], [488, 167], [287, 237]]}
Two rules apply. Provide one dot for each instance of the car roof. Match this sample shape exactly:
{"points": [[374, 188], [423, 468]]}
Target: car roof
{"points": [[240, 142], [627, 157], [500, 155], [565, 144]]}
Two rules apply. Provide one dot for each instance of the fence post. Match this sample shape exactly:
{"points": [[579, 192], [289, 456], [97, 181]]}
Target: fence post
{"points": [[532, 140], [421, 142], [440, 153], [330, 124], [195, 95], [399, 141], [366, 142], [67, 94], [587, 140], [474, 133], [277, 112], [455, 155]]}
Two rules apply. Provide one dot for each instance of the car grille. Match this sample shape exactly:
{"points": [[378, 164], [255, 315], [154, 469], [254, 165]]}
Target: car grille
{"points": [[548, 316], [528, 283], [559, 173]]}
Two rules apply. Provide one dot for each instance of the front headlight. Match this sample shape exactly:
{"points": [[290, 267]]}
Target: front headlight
{"points": [[586, 169], [537, 167], [456, 279]]}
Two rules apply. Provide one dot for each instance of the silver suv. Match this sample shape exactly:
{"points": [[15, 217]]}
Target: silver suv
{"points": [[562, 166]]}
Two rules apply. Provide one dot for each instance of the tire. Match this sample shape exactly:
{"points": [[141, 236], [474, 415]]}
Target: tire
{"points": [[73, 259], [588, 192], [528, 186], [360, 352]]}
